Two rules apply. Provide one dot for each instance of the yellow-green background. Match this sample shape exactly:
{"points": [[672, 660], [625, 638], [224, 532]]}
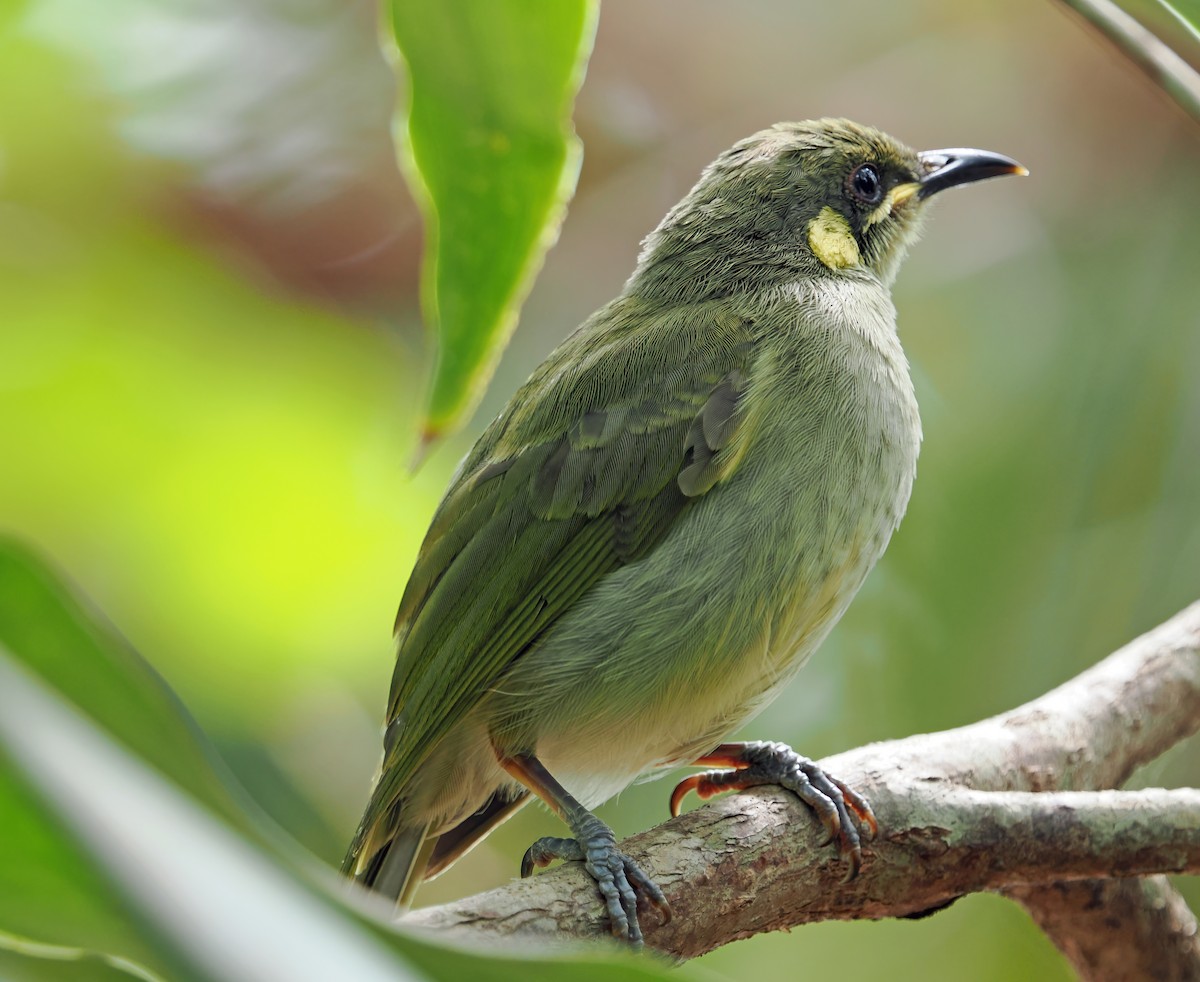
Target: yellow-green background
{"points": [[211, 362]]}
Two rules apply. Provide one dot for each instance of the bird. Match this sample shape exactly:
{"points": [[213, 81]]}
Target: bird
{"points": [[666, 520]]}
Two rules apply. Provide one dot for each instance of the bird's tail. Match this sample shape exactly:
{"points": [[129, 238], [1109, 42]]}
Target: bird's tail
{"points": [[386, 856], [392, 857]]}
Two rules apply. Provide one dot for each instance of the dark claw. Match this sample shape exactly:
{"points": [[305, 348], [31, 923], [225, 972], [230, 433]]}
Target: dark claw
{"points": [[620, 880], [868, 828], [844, 813], [546, 850], [648, 892]]}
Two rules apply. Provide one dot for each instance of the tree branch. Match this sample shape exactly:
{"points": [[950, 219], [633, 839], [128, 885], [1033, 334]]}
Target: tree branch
{"points": [[996, 804], [1105, 928]]}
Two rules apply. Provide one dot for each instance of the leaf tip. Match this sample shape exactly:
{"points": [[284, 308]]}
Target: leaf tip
{"points": [[429, 436]]}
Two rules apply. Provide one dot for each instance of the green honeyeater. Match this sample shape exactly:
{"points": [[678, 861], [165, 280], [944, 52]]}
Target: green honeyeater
{"points": [[666, 519]]}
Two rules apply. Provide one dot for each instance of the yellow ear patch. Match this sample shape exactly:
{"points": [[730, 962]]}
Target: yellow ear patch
{"points": [[831, 240]]}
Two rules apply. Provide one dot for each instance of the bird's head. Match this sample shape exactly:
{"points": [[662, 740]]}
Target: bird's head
{"points": [[826, 197]]}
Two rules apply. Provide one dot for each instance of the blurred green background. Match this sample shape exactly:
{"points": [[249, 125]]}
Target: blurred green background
{"points": [[211, 361]]}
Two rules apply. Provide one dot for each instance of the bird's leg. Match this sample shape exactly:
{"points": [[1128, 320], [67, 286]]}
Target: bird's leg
{"points": [[618, 877], [845, 813]]}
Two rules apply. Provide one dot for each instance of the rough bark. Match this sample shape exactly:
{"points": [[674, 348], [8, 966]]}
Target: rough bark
{"points": [[1016, 803], [1105, 928]]}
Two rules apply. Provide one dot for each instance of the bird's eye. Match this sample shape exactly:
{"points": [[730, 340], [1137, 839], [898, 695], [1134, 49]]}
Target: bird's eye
{"points": [[866, 184]]}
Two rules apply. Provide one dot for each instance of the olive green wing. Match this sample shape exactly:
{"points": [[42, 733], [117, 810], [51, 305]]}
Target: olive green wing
{"points": [[575, 479]]}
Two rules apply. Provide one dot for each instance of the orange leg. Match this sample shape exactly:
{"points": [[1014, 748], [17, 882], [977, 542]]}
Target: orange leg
{"points": [[846, 814], [620, 880]]}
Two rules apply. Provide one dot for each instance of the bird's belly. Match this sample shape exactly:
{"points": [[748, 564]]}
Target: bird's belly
{"points": [[665, 657], [658, 666]]}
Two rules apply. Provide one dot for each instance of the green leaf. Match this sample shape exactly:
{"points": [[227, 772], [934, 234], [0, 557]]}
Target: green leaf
{"points": [[52, 896], [1186, 14], [220, 909], [1161, 37], [493, 159], [50, 889], [22, 960], [91, 831], [81, 656]]}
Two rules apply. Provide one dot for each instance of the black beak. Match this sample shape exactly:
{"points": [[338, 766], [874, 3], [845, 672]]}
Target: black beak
{"points": [[950, 168]]}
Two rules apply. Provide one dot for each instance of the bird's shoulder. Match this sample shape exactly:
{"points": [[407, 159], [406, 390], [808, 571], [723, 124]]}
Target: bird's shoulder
{"points": [[599, 422], [642, 361]]}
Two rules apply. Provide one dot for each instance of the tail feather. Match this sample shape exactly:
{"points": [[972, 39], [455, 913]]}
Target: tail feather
{"points": [[397, 869], [388, 857], [393, 857]]}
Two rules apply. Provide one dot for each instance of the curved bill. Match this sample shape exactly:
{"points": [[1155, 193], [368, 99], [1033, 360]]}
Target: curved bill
{"points": [[950, 168]]}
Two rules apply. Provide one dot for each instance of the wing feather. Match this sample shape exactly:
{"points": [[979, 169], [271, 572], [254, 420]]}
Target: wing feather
{"points": [[585, 471]]}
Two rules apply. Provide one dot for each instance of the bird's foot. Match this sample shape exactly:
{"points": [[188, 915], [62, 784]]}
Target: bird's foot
{"points": [[845, 813], [621, 882]]}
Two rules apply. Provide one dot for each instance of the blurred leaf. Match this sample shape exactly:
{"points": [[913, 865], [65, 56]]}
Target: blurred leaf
{"points": [[52, 893], [1176, 22], [99, 851], [83, 658], [50, 890], [1144, 41], [208, 899], [493, 158], [22, 960], [1187, 12]]}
